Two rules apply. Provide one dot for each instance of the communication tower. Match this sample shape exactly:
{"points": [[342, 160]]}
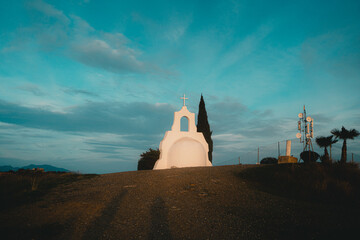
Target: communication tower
{"points": [[306, 130]]}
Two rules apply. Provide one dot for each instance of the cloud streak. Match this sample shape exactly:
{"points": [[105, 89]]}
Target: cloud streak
{"points": [[73, 91], [113, 117], [32, 88], [49, 10]]}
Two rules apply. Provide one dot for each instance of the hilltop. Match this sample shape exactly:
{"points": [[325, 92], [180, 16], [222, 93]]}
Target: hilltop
{"points": [[228, 202]]}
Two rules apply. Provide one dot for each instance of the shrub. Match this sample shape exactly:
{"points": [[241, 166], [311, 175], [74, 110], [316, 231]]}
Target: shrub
{"points": [[325, 160], [269, 160], [335, 183], [148, 159], [309, 156]]}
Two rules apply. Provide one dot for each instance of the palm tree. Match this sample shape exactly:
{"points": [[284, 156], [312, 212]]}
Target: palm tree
{"points": [[344, 134], [324, 142]]}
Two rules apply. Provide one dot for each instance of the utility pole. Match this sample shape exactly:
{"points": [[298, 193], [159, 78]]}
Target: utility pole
{"points": [[278, 149], [239, 161], [258, 162]]}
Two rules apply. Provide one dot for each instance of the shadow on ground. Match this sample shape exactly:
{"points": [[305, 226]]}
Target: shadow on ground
{"points": [[159, 222], [98, 227]]}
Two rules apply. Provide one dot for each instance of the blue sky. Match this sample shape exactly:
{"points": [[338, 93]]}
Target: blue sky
{"points": [[90, 85]]}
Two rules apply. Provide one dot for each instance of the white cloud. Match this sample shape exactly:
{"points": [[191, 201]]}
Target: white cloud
{"points": [[72, 36], [98, 53], [228, 137]]}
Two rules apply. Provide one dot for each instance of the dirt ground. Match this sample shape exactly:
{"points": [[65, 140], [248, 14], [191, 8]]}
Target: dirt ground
{"points": [[188, 203]]}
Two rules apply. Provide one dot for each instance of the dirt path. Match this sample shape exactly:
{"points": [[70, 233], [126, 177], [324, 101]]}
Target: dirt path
{"points": [[191, 203]]}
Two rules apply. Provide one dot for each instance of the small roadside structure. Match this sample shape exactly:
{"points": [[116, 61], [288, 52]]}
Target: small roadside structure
{"points": [[287, 158]]}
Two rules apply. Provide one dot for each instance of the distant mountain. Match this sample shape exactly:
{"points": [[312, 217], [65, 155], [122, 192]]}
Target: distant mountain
{"points": [[47, 168], [8, 168]]}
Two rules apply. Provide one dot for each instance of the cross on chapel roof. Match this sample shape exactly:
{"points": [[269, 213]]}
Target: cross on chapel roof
{"points": [[184, 99]]}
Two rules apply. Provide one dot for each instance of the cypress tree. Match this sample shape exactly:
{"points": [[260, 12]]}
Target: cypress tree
{"points": [[204, 127]]}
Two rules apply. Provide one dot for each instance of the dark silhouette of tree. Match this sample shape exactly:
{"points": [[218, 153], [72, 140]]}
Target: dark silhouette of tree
{"points": [[204, 127], [324, 142], [269, 160], [309, 156], [148, 159], [344, 134]]}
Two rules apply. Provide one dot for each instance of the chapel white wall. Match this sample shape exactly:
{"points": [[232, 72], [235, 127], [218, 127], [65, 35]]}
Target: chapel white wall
{"points": [[183, 149]]}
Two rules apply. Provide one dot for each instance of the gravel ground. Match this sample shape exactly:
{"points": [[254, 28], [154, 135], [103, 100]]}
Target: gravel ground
{"points": [[187, 203]]}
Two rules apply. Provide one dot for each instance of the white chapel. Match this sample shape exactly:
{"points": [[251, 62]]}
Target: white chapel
{"points": [[183, 148]]}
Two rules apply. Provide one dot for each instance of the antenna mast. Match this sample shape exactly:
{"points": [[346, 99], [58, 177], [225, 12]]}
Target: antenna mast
{"points": [[306, 130]]}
